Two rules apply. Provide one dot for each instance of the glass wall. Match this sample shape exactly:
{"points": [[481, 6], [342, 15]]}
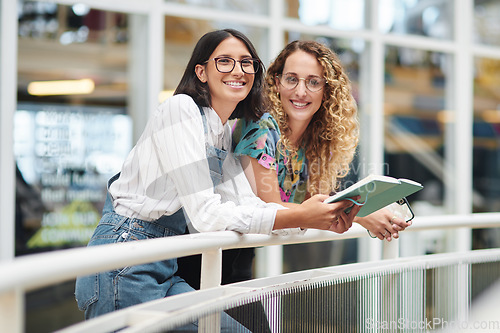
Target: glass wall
{"points": [[416, 120], [486, 24], [58, 42], [250, 7], [486, 163], [414, 112], [329, 13], [486, 146], [72, 132], [71, 128], [417, 17]]}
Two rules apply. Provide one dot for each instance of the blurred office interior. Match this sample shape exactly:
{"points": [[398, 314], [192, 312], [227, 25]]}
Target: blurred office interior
{"points": [[426, 77]]}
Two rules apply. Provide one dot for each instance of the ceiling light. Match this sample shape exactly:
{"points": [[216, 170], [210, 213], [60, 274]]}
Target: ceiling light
{"points": [[62, 87], [80, 9]]}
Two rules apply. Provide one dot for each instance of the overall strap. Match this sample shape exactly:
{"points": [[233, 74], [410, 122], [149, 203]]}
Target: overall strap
{"points": [[204, 119]]}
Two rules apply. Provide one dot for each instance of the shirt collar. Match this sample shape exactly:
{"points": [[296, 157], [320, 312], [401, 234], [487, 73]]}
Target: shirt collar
{"points": [[214, 122]]}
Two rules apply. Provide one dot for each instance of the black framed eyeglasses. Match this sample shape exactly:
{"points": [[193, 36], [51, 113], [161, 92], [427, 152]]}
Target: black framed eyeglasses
{"points": [[226, 64], [290, 81], [400, 209]]}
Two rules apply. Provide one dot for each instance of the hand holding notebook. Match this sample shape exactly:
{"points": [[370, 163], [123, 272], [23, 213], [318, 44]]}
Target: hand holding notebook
{"points": [[377, 192]]}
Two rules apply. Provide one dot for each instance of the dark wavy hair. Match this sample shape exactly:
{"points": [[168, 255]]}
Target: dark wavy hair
{"points": [[252, 106]]}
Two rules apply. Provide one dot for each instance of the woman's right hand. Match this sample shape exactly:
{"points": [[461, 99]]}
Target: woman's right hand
{"points": [[383, 224]]}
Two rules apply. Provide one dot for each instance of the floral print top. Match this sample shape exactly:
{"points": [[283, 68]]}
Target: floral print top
{"points": [[259, 140]]}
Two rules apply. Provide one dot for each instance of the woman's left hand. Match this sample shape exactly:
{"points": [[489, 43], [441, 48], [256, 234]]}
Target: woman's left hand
{"points": [[344, 219], [383, 224]]}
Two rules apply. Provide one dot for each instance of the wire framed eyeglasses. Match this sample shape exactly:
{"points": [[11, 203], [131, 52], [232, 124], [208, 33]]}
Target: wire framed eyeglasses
{"points": [[291, 81], [226, 64]]}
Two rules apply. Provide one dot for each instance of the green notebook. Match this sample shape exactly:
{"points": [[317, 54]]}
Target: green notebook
{"points": [[377, 192]]}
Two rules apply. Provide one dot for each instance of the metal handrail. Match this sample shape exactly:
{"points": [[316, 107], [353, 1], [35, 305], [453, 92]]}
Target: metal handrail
{"points": [[167, 313], [38, 270]]}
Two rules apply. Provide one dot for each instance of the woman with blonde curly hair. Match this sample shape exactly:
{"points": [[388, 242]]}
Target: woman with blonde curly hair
{"points": [[329, 135], [304, 145]]}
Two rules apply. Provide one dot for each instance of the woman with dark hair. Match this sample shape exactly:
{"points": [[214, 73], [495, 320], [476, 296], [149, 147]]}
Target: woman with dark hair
{"points": [[178, 174], [252, 106]]}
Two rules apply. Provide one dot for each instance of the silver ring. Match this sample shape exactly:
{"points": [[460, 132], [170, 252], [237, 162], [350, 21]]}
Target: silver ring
{"points": [[392, 219]]}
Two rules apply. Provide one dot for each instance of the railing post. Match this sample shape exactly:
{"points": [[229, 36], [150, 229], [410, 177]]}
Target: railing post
{"points": [[211, 269], [211, 276], [269, 261], [390, 250], [12, 311]]}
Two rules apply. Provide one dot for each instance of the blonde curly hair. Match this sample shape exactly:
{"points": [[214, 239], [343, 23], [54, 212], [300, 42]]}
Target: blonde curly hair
{"points": [[331, 137]]}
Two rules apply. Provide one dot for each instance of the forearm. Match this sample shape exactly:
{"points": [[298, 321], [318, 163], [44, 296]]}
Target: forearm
{"points": [[315, 214], [282, 203], [289, 218]]}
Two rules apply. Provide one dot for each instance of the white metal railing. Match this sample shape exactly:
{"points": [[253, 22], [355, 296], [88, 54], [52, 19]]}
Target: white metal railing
{"points": [[34, 271], [413, 294]]}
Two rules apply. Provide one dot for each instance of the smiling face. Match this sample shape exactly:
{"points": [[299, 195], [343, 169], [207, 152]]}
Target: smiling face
{"points": [[226, 89], [299, 103]]}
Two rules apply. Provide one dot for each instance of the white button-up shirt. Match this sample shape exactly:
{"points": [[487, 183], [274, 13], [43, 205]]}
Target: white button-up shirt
{"points": [[168, 169]]}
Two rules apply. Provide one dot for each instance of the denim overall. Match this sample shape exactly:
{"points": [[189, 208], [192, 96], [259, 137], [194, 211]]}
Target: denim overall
{"points": [[101, 293]]}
